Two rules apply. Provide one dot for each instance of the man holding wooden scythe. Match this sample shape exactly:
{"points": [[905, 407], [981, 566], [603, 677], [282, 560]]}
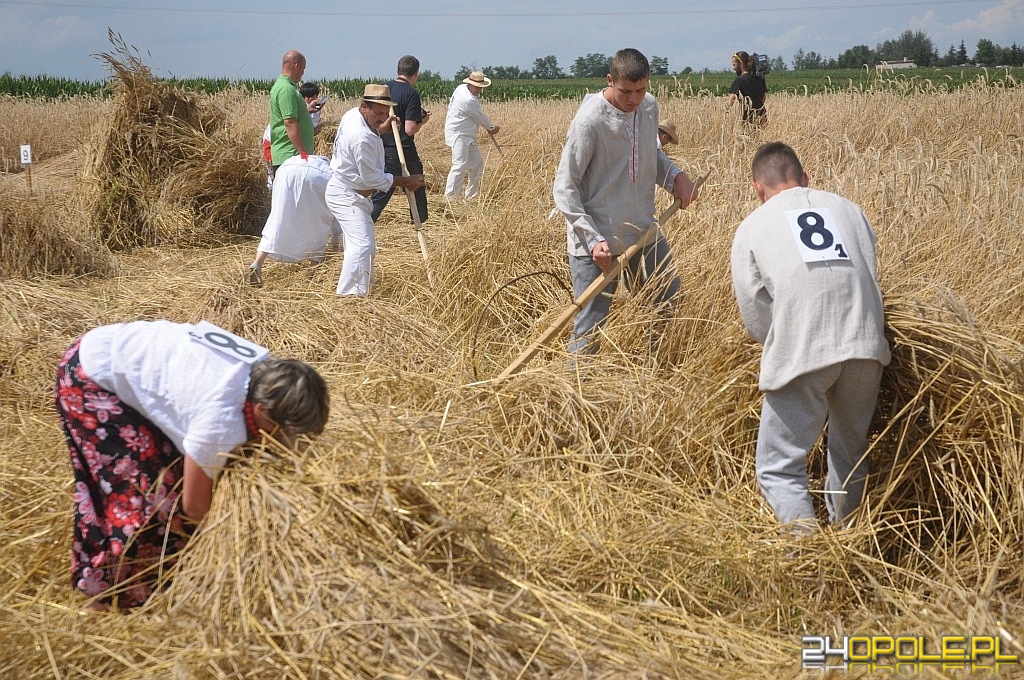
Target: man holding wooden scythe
{"points": [[357, 170], [465, 116], [605, 188]]}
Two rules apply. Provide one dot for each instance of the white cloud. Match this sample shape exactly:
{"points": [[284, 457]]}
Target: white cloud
{"points": [[995, 23], [785, 43], [59, 32]]}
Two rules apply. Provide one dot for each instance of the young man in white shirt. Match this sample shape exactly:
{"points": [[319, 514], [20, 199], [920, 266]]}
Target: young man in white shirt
{"points": [[803, 271], [609, 169]]}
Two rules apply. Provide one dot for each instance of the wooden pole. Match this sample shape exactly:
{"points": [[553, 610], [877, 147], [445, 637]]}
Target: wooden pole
{"points": [[496, 145], [594, 289], [410, 195]]}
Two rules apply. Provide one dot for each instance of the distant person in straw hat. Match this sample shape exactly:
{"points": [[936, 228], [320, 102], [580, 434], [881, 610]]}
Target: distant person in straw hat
{"points": [[604, 186], [749, 89], [803, 271], [465, 116], [411, 117], [300, 221], [291, 125], [357, 170], [667, 134], [151, 411]]}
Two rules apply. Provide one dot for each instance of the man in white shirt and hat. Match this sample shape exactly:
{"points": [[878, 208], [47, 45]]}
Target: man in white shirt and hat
{"points": [[357, 170], [464, 116]]}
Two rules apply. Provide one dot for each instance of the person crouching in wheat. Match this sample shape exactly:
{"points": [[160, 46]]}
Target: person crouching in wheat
{"points": [[151, 411]]}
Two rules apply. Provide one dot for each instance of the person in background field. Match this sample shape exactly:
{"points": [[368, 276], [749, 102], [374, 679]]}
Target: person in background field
{"points": [[151, 411], [411, 117], [310, 94], [667, 134], [357, 170], [604, 186], [749, 88], [299, 221], [464, 116], [803, 272], [291, 126]]}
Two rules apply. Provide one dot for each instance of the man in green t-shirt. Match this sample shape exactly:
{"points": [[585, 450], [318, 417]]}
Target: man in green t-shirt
{"points": [[291, 126]]}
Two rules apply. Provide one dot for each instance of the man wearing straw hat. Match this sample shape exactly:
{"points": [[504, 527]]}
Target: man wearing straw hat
{"points": [[604, 187], [667, 134], [803, 271], [464, 116], [357, 170], [411, 117]]}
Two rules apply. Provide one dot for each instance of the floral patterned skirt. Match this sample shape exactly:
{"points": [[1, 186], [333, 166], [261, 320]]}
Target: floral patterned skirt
{"points": [[127, 481]]}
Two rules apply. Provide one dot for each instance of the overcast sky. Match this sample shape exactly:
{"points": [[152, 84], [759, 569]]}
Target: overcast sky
{"points": [[356, 38]]}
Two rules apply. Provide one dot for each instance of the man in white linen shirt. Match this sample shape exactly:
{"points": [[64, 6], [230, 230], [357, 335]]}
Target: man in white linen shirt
{"points": [[357, 170], [803, 271], [604, 186], [464, 116]]}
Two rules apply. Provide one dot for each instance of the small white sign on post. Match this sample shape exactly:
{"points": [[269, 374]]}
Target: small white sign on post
{"points": [[26, 160]]}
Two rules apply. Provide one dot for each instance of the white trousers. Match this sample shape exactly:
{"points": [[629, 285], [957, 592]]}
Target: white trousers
{"points": [[352, 211], [792, 419], [466, 160]]}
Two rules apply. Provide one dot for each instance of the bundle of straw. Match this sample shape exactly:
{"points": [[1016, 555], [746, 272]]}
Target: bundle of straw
{"points": [[164, 169]]}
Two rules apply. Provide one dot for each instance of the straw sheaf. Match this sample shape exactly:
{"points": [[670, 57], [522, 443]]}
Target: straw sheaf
{"points": [[41, 233], [165, 168]]}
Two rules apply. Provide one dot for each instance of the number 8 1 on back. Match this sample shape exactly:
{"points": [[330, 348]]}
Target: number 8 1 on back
{"points": [[817, 235]]}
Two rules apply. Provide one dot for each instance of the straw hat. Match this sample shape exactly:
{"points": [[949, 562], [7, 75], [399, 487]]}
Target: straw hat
{"points": [[669, 128], [378, 94], [477, 78]]}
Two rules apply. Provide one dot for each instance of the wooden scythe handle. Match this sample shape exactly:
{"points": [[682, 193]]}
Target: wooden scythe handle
{"points": [[411, 197], [496, 145], [594, 289]]}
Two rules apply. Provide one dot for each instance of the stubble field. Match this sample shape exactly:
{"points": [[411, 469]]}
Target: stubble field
{"points": [[553, 525]]}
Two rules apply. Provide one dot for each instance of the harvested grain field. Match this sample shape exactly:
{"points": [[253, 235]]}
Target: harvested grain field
{"points": [[448, 525]]}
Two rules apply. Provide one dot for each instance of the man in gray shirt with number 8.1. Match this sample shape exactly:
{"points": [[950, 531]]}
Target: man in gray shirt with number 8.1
{"points": [[803, 271]]}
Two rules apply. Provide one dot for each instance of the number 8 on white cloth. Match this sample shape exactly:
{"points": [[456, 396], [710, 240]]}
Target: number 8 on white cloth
{"points": [[227, 343], [817, 235]]}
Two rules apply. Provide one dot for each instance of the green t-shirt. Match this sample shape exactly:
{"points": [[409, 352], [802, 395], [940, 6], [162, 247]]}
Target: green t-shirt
{"points": [[285, 103]]}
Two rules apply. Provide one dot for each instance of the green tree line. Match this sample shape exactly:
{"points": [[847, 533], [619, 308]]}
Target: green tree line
{"points": [[586, 74], [917, 47]]}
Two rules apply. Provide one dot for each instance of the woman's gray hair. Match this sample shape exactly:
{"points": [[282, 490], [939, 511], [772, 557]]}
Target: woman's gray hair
{"points": [[293, 393]]}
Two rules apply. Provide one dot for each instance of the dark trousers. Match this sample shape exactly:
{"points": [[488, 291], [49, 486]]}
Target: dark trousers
{"points": [[393, 165]]}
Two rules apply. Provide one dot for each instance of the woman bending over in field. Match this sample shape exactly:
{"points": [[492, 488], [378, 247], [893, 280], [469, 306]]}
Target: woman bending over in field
{"points": [[151, 411]]}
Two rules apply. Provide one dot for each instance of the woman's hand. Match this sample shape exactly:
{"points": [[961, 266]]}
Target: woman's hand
{"points": [[197, 491]]}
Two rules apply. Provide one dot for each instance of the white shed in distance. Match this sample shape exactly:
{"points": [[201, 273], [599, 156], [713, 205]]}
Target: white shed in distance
{"points": [[894, 65]]}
